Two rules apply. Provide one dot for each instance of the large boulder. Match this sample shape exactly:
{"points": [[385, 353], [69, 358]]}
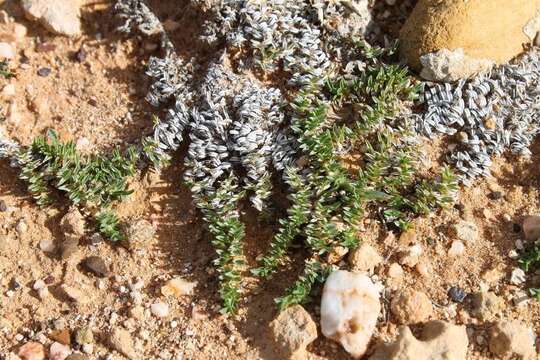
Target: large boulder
{"points": [[447, 40]]}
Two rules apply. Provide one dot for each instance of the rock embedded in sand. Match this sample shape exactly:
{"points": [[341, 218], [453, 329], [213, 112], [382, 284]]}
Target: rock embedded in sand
{"points": [[461, 38], [439, 340], [486, 305], [512, 339], [410, 306], [32, 351], [58, 351], [6, 51], [293, 330], [139, 233], [178, 287], [58, 16], [349, 310], [73, 223], [364, 258], [122, 342], [96, 265], [466, 231], [531, 227], [159, 309]]}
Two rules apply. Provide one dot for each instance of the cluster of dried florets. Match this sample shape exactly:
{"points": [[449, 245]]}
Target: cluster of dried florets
{"points": [[489, 114]]}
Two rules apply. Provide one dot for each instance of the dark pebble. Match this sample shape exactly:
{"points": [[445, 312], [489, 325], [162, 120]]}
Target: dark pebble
{"points": [[457, 294], [44, 72], [49, 280], [81, 55], [496, 195], [77, 357], [459, 207], [516, 228], [96, 265], [14, 284]]}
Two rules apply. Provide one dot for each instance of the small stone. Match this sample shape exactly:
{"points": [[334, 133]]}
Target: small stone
{"points": [[410, 307], [456, 249], [439, 340], [19, 31], [6, 51], [122, 342], [140, 233], [531, 227], [73, 223], [490, 123], [408, 237], [496, 195], [520, 298], [486, 305], [3, 206], [62, 336], [81, 55], [457, 294], [466, 231], [137, 312], [88, 348], [32, 351], [159, 309], [58, 351], [84, 336], [395, 271], [411, 255], [38, 284], [350, 307], [21, 227], [96, 265], [44, 72], [422, 269], [82, 144], [47, 245], [293, 330], [518, 277], [178, 287], [512, 339], [8, 92], [364, 258]]}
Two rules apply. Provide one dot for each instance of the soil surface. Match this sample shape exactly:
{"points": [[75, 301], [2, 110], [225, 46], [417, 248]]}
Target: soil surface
{"points": [[94, 95]]}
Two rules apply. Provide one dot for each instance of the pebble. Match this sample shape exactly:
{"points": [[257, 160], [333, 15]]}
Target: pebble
{"points": [[160, 309], [422, 269], [59, 16], [73, 223], [408, 237], [63, 336], [3, 206], [81, 55], [96, 265], [457, 294], [486, 305], [122, 342], [410, 306], [38, 285], [21, 227], [350, 306], [178, 287], [44, 72], [8, 91], [293, 330], [47, 245], [411, 255], [32, 351], [58, 351], [395, 271], [69, 247], [6, 51], [517, 277], [495, 195], [77, 357], [139, 233], [74, 294], [364, 258], [457, 248], [19, 31]]}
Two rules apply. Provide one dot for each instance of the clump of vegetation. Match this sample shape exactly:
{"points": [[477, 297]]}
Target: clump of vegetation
{"points": [[5, 71], [93, 182]]}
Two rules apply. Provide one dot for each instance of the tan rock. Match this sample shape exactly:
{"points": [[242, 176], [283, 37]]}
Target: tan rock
{"points": [[122, 342], [32, 351], [73, 223], [439, 341], [408, 237], [139, 233], [410, 307], [475, 28], [293, 330], [512, 339], [364, 258], [178, 287]]}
